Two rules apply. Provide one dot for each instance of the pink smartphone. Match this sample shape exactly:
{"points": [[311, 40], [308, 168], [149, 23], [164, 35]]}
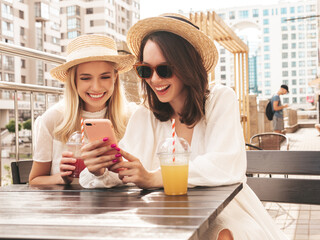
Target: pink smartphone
{"points": [[97, 129]]}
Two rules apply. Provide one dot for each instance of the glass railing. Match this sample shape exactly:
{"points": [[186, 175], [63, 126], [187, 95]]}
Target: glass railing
{"points": [[25, 97]]}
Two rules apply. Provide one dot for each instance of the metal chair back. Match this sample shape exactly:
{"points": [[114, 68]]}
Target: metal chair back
{"points": [[270, 141]]}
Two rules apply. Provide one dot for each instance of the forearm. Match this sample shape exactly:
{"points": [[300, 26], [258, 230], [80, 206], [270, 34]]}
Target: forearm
{"points": [[155, 179], [52, 179]]}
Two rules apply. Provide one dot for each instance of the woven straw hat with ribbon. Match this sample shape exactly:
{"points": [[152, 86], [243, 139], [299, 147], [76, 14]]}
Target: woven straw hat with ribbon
{"points": [[179, 25], [93, 47]]}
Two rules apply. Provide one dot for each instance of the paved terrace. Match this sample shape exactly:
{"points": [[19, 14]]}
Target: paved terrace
{"points": [[299, 221]]}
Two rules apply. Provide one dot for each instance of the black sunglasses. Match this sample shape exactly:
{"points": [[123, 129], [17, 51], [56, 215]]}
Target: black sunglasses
{"points": [[145, 71]]}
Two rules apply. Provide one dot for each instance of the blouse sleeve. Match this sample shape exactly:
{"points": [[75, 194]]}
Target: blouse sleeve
{"points": [[224, 158], [43, 133]]}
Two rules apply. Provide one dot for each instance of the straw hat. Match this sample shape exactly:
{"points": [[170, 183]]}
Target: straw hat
{"points": [[93, 47], [179, 25]]}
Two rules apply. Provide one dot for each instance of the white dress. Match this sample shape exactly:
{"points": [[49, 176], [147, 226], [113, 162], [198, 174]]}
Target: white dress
{"points": [[218, 158], [49, 149]]}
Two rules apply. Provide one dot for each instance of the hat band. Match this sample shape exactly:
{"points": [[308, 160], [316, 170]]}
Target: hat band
{"points": [[184, 20], [90, 52]]}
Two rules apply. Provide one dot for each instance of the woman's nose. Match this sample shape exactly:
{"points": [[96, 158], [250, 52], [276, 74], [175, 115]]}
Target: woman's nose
{"points": [[155, 78], [96, 84]]}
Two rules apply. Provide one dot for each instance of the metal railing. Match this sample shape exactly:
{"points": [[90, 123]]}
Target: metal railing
{"points": [[15, 50]]}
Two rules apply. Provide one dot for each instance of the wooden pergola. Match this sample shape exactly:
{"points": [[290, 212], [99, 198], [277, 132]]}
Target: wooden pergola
{"points": [[212, 25]]}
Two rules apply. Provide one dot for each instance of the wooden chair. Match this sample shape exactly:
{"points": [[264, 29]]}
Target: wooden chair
{"points": [[20, 171], [270, 141], [292, 189]]}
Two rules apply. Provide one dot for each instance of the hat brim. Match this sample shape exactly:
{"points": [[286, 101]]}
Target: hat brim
{"points": [[123, 62], [201, 42]]}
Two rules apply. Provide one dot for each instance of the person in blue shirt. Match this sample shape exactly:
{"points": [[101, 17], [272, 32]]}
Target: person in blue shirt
{"points": [[278, 123]]}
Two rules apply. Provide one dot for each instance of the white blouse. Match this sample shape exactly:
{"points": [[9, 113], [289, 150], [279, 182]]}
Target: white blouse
{"points": [[218, 158]]}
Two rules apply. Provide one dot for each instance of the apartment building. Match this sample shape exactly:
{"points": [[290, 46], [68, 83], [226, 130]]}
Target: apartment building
{"points": [[48, 25], [284, 52]]}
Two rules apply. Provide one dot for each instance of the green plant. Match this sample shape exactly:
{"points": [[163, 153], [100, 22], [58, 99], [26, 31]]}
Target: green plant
{"points": [[7, 178], [11, 126], [27, 124]]}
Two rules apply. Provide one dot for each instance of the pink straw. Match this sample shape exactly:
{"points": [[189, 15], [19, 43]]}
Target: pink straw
{"points": [[173, 128], [82, 131]]}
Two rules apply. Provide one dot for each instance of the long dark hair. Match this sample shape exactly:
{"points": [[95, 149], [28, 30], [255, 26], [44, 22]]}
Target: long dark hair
{"points": [[188, 67]]}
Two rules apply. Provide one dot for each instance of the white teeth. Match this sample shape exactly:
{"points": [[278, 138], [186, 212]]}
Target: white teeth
{"points": [[161, 88], [95, 95]]}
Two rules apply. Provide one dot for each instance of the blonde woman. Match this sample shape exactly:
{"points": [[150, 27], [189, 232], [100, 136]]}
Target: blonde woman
{"points": [[92, 90]]}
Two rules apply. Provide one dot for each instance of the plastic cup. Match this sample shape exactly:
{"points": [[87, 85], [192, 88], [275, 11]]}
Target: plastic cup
{"points": [[74, 145], [174, 162]]}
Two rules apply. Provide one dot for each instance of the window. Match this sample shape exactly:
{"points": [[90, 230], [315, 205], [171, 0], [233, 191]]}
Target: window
{"points": [[266, 48], [301, 44], [284, 55], [266, 30], [222, 60], [293, 73], [293, 55], [23, 79], [89, 11], [293, 27], [293, 45], [301, 36], [21, 14], [284, 28], [300, 9], [310, 8], [73, 23], [302, 81], [255, 13], [301, 27], [285, 36], [265, 12], [243, 14], [73, 34], [7, 29], [292, 9], [294, 100], [73, 11], [8, 77], [91, 23], [267, 74], [222, 15], [293, 36], [311, 54], [284, 45], [265, 21], [266, 57], [8, 63], [6, 11], [301, 54], [294, 90], [283, 10], [302, 63], [267, 66], [266, 39], [284, 64], [284, 73], [222, 51], [222, 68], [231, 15], [22, 31], [23, 63], [293, 64], [302, 72]]}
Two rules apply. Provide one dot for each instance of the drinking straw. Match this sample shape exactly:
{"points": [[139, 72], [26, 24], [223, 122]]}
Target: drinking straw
{"points": [[82, 131], [173, 128]]}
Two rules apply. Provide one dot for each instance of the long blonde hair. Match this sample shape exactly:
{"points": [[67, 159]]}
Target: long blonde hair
{"points": [[74, 104]]}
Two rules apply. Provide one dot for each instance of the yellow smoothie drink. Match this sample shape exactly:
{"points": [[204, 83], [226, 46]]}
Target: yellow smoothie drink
{"points": [[175, 179]]}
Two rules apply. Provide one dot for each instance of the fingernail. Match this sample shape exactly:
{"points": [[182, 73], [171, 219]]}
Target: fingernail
{"points": [[115, 160], [113, 145], [105, 139], [118, 155], [118, 149]]}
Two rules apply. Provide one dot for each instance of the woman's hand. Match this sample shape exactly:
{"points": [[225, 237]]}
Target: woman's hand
{"points": [[132, 171], [66, 167], [97, 158]]}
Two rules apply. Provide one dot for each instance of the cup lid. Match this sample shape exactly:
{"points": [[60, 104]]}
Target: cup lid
{"points": [[75, 138], [167, 145]]}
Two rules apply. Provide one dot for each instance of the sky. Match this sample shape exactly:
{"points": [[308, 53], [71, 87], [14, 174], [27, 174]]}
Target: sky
{"points": [[152, 8]]}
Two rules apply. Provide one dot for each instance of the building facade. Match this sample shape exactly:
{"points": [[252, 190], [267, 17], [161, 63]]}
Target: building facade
{"points": [[48, 25], [284, 51]]}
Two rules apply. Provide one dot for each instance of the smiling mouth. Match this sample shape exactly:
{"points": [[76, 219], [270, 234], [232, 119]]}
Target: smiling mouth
{"points": [[162, 89], [96, 96]]}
